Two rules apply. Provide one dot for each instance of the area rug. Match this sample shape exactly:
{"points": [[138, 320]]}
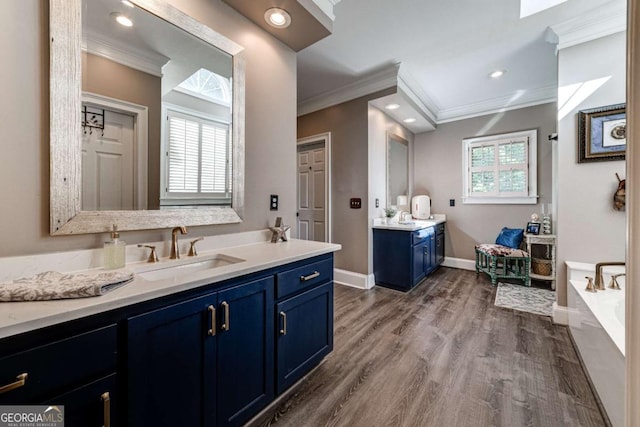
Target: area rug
{"points": [[524, 298]]}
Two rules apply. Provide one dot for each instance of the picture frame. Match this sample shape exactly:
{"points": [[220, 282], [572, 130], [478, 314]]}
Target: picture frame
{"points": [[602, 134], [533, 228]]}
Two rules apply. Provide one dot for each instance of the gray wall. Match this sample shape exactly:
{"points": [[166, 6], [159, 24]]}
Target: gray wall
{"points": [[588, 228], [438, 173], [24, 120], [348, 124]]}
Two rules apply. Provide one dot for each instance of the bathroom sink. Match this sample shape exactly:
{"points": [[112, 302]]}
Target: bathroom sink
{"points": [[181, 268]]}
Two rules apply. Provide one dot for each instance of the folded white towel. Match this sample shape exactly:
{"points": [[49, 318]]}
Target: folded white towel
{"points": [[53, 285]]}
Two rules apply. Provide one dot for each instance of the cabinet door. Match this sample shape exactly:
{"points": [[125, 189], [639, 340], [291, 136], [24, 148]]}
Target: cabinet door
{"points": [[420, 257], [171, 365], [305, 333], [440, 248], [245, 351], [92, 405]]}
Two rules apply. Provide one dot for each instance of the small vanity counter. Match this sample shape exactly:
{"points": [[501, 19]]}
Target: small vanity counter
{"points": [[19, 317], [405, 253]]}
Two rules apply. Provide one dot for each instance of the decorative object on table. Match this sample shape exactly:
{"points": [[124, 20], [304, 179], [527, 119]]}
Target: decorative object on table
{"points": [[602, 134], [535, 217], [620, 195], [546, 224], [52, 285], [530, 300], [389, 213], [279, 231], [533, 228]]}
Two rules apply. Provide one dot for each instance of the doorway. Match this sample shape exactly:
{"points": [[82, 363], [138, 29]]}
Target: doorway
{"points": [[313, 200], [114, 161]]}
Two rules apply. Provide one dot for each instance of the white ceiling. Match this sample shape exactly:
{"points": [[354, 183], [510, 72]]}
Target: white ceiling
{"points": [[446, 50]]}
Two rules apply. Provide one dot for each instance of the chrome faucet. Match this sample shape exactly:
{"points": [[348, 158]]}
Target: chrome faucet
{"points": [[599, 282], [175, 251]]}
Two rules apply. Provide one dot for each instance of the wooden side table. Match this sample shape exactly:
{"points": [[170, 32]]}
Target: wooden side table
{"points": [[549, 240]]}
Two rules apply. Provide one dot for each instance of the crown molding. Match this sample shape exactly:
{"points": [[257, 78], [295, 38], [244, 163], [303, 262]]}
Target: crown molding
{"points": [[420, 100], [605, 20], [520, 99], [326, 6], [380, 80], [138, 59]]}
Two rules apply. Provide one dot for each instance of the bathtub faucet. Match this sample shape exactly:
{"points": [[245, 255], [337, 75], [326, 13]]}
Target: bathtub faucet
{"points": [[599, 282]]}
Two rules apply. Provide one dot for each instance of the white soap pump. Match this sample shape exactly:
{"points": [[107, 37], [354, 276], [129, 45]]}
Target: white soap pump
{"points": [[114, 251]]}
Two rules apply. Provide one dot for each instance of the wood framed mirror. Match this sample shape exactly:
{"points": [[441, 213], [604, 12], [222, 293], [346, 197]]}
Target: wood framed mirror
{"points": [[74, 111]]}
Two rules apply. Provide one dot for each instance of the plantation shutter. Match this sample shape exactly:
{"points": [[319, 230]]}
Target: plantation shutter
{"points": [[197, 159]]}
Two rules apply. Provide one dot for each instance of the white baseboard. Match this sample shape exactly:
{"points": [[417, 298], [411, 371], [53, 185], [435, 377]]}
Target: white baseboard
{"points": [[355, 280], [560, 314], [462, 264]]}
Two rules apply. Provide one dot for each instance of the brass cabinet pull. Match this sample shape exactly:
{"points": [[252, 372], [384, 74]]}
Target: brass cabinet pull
{"points": [[212, 312], [20, 381], [309, 277], [106, 400], [225, 326], [283, 315]]}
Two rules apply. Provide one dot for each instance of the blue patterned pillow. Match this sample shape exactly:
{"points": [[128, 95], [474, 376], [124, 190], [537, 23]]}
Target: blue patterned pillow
{"points": [[510, 237]]}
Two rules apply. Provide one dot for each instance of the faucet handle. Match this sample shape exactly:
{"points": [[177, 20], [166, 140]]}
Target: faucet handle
{"points": [[153, 256], [192, 249], [613, 284], [590, 286]]}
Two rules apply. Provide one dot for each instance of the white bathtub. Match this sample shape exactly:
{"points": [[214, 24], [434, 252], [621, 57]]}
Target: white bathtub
{"points": [[596, 321]]}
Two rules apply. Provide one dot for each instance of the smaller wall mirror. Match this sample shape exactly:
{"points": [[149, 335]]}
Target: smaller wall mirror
{"points": [[397, 169]]}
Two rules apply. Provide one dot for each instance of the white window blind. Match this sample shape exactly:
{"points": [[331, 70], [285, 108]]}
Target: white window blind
{"points": [[500, 169], [198, 155]]}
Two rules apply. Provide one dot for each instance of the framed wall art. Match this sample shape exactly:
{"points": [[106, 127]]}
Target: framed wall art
{"points": [[602, 134]]}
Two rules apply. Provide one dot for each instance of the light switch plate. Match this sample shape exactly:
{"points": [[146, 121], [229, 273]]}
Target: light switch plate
{"points": [[355, 203]]}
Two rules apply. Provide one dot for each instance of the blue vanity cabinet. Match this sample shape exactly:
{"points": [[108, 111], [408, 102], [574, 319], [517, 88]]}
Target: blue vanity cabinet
{"points": [[171, 361], [203, 362], [65, 365], [304, 320], [402, 258]]}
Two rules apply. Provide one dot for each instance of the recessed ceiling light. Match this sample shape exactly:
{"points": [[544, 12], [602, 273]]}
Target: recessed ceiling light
{"points": [[278, 18], [392, 106], [497, 74], [409, 120], [122, 20], [127, 3]]}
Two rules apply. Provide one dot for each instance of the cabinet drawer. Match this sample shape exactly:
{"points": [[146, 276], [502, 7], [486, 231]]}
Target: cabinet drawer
{"points": [[422, 235], [304, 277], [54, 368], [91, 405]]}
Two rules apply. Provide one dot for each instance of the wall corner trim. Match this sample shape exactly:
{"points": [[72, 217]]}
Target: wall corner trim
{"points": [[459, 263], [355, 280], [560, 314]]}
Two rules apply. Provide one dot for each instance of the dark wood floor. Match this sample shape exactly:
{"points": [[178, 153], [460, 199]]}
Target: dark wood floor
{"points": [[441, 355]]}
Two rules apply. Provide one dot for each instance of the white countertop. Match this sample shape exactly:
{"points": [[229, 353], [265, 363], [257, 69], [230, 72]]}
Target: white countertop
{"points": [[19, 317], [413, 225]]}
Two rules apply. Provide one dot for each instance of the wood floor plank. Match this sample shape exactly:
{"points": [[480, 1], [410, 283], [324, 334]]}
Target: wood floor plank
{"points": [[440, 355]]}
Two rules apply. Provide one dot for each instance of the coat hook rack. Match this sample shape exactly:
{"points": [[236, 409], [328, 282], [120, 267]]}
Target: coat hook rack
{"points": [[92, 120]]}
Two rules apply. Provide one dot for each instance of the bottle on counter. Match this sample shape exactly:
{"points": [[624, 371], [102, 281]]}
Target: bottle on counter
{"points": [[114, 251]]}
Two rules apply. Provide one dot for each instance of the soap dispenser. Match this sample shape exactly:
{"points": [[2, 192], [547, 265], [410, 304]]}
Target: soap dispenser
{"points": [[114, 251]]}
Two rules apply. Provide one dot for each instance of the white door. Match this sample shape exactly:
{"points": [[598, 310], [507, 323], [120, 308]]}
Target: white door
{"points": [[108, 164], [311, 193]]}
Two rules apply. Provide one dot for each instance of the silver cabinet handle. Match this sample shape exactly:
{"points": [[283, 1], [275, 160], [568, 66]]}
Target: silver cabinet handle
{"points": [[309, 277], [283, 316], [106, 400], [225, 326], [212, 314]]}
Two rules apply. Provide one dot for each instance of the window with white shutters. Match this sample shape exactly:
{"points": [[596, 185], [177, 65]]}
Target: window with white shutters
{"points": [[197, 169], [500, 168]]}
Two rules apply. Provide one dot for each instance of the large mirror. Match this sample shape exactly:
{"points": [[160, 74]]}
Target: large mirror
{"points": [[158, 140], [397, 170]]}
